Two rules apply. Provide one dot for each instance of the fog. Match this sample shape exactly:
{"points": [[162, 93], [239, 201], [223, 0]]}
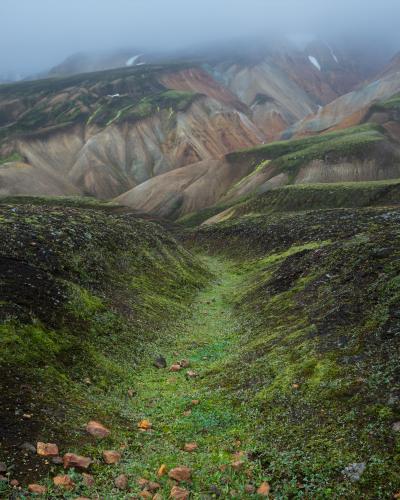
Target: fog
{"points": [[37, 34]]}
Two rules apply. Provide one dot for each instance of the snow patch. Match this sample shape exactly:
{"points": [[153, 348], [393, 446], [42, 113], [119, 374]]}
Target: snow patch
{"points": [[113, 95], [333, 55], [314, 62], [131, 61]]}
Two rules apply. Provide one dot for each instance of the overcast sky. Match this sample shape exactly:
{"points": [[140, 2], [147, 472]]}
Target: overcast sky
{"points": [[37, 34]]}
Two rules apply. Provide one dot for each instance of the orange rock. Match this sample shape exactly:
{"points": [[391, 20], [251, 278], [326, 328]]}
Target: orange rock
{"points": [[162, 470], [145, 494], [121, 482], [153, 486], [264, 489], [37, 488], [142, 482], [195, 402], [190, 447], [73, 460], [97, 429], [179, 493], [180, 474], [111, 457], [175, 367], [64, 482], [145, 425], [295, 386], [88, 480], [47, 449]]}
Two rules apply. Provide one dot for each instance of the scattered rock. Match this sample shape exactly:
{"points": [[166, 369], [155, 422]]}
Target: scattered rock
{"points": [[87, 381], [396, 427], [88, 479], [158, 496], [145, 494], [160, 362], [37, 488], [295, 386], [28, 447], [145, 425], [264, 489], [111, 457], [57, 460], [179, 493], [180, 474], [153, 486], [27, 416], [77, 461], [64, 482], [131, 393], [142, 482], [97, 429], [14, 483], [191, 374], [121, 482], [175, 367], [195, 402], [250, 489], [185, 363], [47, 449], [3, 467], [162, 470], [190, 447], [353, 472], [187, 413]]}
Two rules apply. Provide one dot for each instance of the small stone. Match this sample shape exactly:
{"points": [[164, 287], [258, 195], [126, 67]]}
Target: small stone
{"points": [[179, 493], [97, 430], [237, 465], [295, 386], [195, 402], [158, 496], [396, 427], [264, 489], [145, 494], [28, 447], [160, 362], [180, 474], [142, 482], [3, 467], [37, 488], [64, 482], [27, 416], [353, 472], [175, 367], [190, 447], [77, 461], [47, 449], [88, 479], [131, 393], [145, 425], [153, 486], [57, 460], [87, 381], [187, 413], [121, 482], [111, 457], [191, 374], [250, 489], [162, 470], [185, 363], [14, 483]]}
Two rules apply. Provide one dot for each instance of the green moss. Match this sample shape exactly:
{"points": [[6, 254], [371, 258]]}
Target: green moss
{"points": [[13, 157]]}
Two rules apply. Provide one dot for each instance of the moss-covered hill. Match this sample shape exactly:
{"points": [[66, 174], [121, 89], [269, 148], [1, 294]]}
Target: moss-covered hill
{"points": [[84, 291], [319, 355]]}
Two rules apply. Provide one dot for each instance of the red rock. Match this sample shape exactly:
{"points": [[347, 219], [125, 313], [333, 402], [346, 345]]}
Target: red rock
{"points": [[180, 474], [264, 489], [77, 461], [88, 480], [162, 470], [142, 482], [47, 449], [145, 425], [190, 447], [237, 465], [14, 482], [179, 493], [111, 457], [37, 488], [64, 481], [175, 367], [121, 482], [97, 430], [153, 486], [145, 494], [249, 488]]}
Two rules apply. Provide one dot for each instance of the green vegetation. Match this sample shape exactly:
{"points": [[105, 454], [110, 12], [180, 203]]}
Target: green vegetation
{"points": [[10, 158]]}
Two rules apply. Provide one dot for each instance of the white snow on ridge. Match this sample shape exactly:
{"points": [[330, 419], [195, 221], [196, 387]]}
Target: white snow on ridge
{"points": [[315, 62], [333, 55], [131, 61]]}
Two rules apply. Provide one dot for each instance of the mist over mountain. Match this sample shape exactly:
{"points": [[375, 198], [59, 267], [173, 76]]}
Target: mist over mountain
{"points": [[53, 31]]}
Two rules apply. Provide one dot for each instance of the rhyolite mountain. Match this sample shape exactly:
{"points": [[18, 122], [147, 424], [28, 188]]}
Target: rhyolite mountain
{"points": [[159, 136]]}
